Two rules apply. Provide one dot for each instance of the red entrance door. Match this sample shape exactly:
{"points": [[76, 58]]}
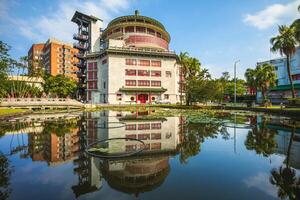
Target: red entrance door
{"points": [[142, 98]]}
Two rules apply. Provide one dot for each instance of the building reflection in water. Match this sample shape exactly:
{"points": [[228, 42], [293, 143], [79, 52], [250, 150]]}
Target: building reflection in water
{"points": [[57, 141], [134, 174]]}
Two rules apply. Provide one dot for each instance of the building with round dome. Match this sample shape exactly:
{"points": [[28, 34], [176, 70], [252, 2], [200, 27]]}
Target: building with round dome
{"points": [[133, 63]]}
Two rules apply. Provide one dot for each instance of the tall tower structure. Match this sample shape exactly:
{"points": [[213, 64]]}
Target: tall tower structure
{"points": [[88, 40]]}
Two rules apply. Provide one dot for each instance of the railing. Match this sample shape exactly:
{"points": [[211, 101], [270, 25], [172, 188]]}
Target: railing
{"points": [[80, 46], [40, 102], [80, 37], [148, 50]]}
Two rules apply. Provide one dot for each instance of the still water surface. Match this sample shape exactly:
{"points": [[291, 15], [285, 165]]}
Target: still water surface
{"points": [[248, 157]]}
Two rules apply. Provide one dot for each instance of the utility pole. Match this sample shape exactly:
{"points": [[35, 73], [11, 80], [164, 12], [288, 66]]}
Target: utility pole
{"points": [[235, 81]]}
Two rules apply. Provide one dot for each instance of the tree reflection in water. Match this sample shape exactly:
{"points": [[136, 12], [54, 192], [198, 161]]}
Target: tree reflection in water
{"points": [[261, 139], [194, 135], [285, 178], [5, 174]]}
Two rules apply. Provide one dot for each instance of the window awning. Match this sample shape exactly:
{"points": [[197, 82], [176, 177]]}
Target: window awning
{"points": [[124, 89], [285, 87]]}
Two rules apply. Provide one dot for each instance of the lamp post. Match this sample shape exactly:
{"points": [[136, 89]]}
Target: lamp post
{"points": [[236, 62]]}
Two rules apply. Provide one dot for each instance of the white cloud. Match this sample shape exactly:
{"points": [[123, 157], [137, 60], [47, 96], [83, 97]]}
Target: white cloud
{"points": [[261, 182], [58, 24], [273, 15]]}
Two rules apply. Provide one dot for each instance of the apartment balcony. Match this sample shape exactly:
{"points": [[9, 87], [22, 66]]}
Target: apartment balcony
{"points": [[84, 32], [81, 65], [80, 37], [79, 56], [80, 46]]}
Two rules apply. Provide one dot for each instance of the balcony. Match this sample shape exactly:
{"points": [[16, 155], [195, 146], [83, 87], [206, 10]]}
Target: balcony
{"points": [[80, 37], [80, 46], [81, 65], [84, 32], [79, 56]]}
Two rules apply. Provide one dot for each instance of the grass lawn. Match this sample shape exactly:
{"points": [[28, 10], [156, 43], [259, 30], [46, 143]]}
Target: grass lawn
{"points": [[9, 111]]}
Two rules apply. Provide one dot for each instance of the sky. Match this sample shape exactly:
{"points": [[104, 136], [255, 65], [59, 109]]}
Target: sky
{"points": [[217, 32]]}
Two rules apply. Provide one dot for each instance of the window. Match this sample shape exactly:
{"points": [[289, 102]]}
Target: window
{"points": [[155, 63], [144, 136], [144, 62], [168, 74], [129, 29], [143, 126], [156, 83], [166, 96], [92, 75], [131, 136], [130, 82], [156, 73], [104, 84], [156, 126], [143, 83], [130, 72], [92, 66], [296, 77], [158, 34], [130, 127], [140, 29], [92, 84], [155, 136], [130, 61], [151, 31], [143, 73]]}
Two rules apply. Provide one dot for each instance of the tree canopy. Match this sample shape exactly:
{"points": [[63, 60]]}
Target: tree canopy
{"points": [[60, 86]]}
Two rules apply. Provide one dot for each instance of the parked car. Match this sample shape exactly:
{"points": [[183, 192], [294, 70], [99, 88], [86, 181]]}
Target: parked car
{"points": [[163, 101]]}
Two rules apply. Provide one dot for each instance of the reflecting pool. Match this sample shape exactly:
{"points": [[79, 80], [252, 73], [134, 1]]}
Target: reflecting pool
{"points": [[182, 156]]}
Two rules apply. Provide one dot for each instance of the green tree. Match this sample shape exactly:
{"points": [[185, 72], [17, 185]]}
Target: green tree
{"points": [[5, 175], [285, 178], [250, 76], [60, 86], [296, 26], [240, 88], [4, 66], [261, 139], [182, 61], [265, 78], [286, 44]]}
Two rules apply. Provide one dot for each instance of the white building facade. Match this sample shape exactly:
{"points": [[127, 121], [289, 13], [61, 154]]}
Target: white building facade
{"points": [[134, 65]]}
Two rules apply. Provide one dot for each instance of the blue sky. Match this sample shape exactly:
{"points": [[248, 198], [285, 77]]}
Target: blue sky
{"points": [[218, 32]]}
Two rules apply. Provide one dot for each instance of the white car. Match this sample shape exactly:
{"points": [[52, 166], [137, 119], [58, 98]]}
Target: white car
{"points": [[163, 101]]}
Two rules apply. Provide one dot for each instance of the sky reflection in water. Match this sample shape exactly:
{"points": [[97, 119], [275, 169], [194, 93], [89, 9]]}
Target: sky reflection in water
{"points": [[183, 158]]}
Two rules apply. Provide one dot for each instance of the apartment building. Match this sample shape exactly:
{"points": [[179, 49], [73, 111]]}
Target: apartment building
{"points": [[57, 57]]}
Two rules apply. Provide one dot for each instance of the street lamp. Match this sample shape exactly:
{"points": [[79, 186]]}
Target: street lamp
{"points": [[236, 62]]}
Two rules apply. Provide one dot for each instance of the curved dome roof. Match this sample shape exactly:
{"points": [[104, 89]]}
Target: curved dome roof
{"points": [[136, 17]]}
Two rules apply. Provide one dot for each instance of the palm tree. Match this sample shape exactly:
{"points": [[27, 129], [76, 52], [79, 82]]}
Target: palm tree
{"points": [[285, 177], [265, 78], [250, 76], [286, 43]]}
